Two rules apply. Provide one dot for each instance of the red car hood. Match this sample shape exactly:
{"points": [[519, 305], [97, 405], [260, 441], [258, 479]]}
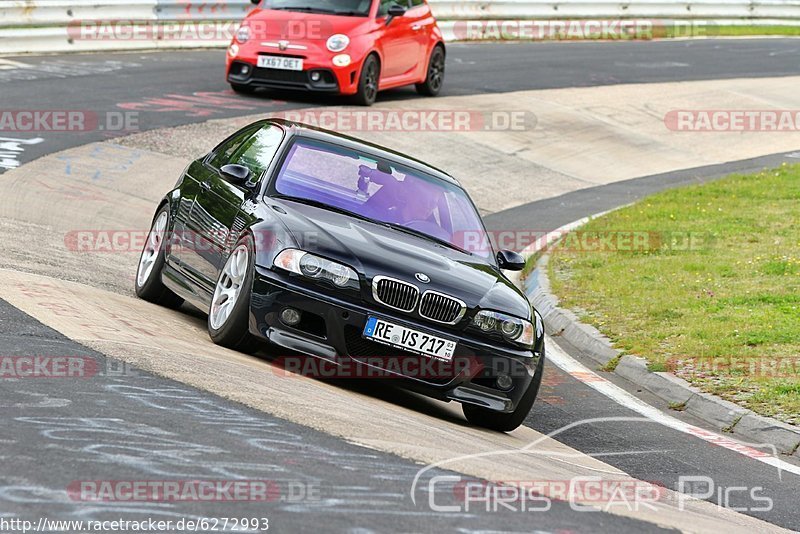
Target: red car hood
{"points": [[300, 27]]}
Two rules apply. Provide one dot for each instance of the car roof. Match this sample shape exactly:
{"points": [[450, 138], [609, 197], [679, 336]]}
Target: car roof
{"points": [[312, 132]]}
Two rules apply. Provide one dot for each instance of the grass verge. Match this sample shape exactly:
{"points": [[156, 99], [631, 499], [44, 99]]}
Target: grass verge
{"points": [[702, 281]]}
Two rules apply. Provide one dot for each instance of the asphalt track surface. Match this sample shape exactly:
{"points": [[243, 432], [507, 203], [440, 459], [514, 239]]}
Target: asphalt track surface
{"points": [[166, 429], [174, 88]]}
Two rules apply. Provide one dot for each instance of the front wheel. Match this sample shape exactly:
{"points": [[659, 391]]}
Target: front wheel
{"points": [[229, 315], [151, 263], [369, 82], [506, 422], [434, 81]]}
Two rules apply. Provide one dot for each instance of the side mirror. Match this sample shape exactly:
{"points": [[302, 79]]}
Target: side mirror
{"points": [[396, 10], [510, 260], [255, 2], [235, 174]]}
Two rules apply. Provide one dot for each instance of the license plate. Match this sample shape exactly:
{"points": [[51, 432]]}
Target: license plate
{"points": [[407, 339], [280, 62]]}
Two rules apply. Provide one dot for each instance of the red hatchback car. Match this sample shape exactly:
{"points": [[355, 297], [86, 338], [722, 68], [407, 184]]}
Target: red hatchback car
{"points": [[348, 47]]}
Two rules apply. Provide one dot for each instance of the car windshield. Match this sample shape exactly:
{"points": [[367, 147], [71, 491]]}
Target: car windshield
{"points": [[334, 7], [341, 179]]}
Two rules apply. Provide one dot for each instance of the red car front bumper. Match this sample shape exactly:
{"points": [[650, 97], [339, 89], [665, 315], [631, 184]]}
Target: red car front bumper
{"points": [[319, 74]]}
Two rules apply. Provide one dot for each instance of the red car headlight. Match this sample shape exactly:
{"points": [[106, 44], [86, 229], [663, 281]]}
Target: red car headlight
{"points": [[243, 34], [338, 42]]}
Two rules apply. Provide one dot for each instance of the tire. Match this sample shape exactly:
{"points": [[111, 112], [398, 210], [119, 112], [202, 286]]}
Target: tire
{"points": [[369, 82], [243, 89], [229, 313], [434, 80], [506, 422], [148, 284]]}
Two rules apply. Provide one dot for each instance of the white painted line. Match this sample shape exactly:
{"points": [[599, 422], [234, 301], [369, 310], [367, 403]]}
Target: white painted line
{"points": [[580, 372], [7, 64], [551, 237]]}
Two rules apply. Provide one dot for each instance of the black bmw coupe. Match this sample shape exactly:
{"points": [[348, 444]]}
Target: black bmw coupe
{"points": [[324, 245]]}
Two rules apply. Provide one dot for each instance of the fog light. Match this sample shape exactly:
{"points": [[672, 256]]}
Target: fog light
{"points": [[290, 317], [315, 76], [504, 382], [245, 69], [342, 60]]}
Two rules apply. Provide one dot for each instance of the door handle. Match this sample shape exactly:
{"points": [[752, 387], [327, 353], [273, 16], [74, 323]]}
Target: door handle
{"points": [[205, 185]]}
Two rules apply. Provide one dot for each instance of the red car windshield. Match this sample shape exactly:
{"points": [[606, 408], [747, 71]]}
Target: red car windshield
{"points": [[333, 7], [332, 176]]}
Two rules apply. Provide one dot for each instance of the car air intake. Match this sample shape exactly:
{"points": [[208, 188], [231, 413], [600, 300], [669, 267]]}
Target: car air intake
{"points": [[441, 308], [395, 293]]}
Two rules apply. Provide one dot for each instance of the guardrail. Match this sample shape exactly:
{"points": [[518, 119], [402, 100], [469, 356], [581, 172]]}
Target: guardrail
{"points": [[605, 9], [55, 25]]}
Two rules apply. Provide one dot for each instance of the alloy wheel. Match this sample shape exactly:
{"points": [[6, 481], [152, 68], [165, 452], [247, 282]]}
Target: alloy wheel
{"points": [[229, 287], [436, 70], [151, 249]]}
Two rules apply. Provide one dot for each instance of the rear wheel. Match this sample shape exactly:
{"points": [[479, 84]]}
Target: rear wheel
{"points": [[229, 315], [506, 422], [151, 263], [369, 82], [434, 81]]}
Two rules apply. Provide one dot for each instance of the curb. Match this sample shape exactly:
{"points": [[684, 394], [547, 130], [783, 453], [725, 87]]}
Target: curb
{"points": [[677, 394]]}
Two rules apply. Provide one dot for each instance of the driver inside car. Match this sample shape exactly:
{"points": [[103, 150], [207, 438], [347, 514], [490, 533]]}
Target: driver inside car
{"points": [[411, 202]]}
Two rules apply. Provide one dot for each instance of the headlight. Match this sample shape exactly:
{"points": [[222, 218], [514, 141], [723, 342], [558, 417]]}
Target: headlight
{"points": [[314, 267], [338, 42], [243, 34], [511, 328]]}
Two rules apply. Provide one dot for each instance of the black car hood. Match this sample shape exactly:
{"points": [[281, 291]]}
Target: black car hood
{"points": [[373, 249]]}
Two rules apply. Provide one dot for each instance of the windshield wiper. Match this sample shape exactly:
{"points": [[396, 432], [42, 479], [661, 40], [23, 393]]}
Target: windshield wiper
{"points": [[350, 13], [305, 9], [423, 235]]}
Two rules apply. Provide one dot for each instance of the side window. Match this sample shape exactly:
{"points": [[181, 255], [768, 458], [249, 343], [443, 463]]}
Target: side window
{"points": [[224, 152], [257, 152], [417, 3]]}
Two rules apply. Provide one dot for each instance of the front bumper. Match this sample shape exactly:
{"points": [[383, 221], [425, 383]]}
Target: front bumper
{"points": [[332, 328], [248, 74]]}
